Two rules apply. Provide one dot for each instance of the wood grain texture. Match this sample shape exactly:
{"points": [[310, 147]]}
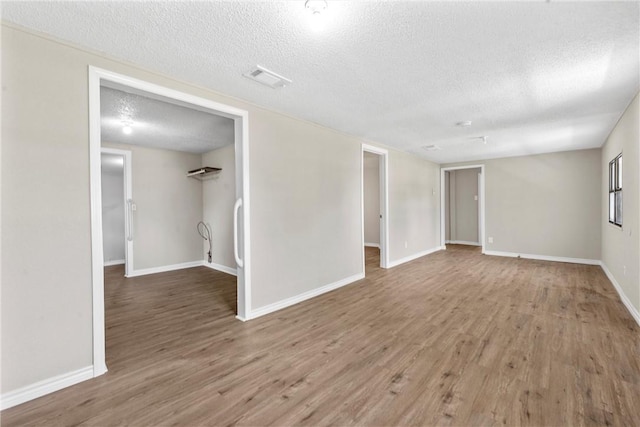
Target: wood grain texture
{"points": [[453, 338]]}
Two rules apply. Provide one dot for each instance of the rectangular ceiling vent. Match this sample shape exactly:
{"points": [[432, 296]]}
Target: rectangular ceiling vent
{"points": [[432, 147], [267, 77]]}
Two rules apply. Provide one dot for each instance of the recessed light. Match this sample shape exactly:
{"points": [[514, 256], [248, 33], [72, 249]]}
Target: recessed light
{"points": [[127, 130], [464, 124], [431, 147]]}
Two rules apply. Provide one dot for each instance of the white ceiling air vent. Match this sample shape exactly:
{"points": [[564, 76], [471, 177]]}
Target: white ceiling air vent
{"points": [[432, 147], [267, 77]]}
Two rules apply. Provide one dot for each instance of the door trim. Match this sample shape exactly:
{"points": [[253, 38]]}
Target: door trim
{"points": [[481, 207], [241, 117], [384, 202]]}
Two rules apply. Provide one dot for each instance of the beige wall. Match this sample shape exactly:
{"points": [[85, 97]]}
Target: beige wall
{"points": [[305, 218], [461, 205], [218, 197], [546, 204], [168, 206], [414, 205], [371, 182], [621, 246]]}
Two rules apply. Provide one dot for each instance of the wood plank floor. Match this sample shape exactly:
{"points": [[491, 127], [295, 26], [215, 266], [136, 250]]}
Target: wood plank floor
{"points": [[454, 338]]}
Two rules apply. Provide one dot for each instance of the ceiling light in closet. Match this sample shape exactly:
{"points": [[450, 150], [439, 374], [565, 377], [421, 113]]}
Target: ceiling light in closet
{"points": [[316, 7]]}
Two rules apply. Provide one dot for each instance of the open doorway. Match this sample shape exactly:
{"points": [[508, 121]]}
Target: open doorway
{"points": [[375, 205], [462, 206], [168, 168]]}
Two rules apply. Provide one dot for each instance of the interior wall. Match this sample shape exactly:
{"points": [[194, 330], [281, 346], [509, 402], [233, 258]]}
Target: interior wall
{"points": [[545, 204], [414, 206], [168, 206], [113, 231], [621, 246], [461, 222], [218, 198], [371, 182], [306, 218]]}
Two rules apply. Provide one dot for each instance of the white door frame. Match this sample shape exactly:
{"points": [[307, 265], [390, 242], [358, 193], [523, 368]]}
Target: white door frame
{"points": [[128, 197], [481, 207], [384, 202], [241, 117]]}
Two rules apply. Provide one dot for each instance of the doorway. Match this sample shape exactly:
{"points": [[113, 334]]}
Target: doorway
{"points": [[117, 224], [375, 203], [241, 232], [462, 206]]}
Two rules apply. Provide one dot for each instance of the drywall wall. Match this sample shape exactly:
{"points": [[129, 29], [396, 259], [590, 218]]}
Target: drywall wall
{"points": [[461, 205], [371, 183], [621, 246], [218, 197], [113, 238], [546, 204], [168, 206], [305, 220], [447, 206], [414, 206]]}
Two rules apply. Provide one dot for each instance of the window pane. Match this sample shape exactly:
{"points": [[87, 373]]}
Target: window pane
{"points": [[612, 177], [618, 207], [612, 210], [619, 183]]}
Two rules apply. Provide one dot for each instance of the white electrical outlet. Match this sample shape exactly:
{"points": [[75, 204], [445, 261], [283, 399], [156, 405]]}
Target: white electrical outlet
{"points": [[490, 239], [405, 244], [624, 270], [475, 198]]}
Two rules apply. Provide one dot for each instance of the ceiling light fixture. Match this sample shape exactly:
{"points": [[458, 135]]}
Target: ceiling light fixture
{"points": [[126, 127], [316, 6], [464, 124]]}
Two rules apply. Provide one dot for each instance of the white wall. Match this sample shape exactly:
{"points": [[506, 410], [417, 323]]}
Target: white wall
{"points": [[621, 246], [371, 181], [168, 206], [113, 233], [546, 204], [218, 197], [305, 219], [461, 205]]}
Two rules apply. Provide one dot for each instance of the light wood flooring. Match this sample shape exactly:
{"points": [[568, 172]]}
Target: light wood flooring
{"points": [[454, 338]]}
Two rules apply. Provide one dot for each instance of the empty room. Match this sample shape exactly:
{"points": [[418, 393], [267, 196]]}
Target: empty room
{"points": [[320, 213]]}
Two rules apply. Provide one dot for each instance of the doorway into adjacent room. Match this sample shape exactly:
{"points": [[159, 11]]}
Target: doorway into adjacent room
{"points": [[462, 212], [375, 205]]}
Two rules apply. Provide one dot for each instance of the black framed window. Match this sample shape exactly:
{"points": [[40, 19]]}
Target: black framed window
{"points": [[615, 191]]}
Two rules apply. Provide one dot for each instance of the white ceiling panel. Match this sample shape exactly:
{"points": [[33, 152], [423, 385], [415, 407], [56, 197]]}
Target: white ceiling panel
{"points": [[533, 77]]}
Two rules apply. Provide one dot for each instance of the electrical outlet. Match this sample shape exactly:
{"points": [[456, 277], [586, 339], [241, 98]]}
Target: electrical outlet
{"points": [[475, 198], [405, 244], [624, 270], [490, 239]]}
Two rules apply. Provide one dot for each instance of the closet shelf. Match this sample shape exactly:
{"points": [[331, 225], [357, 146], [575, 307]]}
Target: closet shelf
{"points": [[203, 172]]}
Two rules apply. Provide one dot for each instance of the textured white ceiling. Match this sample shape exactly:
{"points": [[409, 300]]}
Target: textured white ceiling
{"points": [[160, 124], [532, 76]]}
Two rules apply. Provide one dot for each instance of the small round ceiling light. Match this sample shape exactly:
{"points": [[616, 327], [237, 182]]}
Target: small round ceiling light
{"points": [[316, 20], [126, 127], [316, 6], [464, 124]]}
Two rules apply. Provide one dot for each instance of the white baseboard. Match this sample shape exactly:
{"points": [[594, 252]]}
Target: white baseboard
{"points": [[414, 256], [463, 242], [165, 268], [372, 245], [625, 300], [220, 267], [114, 262], [303, 297], [544, 257], [47, 386]]}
